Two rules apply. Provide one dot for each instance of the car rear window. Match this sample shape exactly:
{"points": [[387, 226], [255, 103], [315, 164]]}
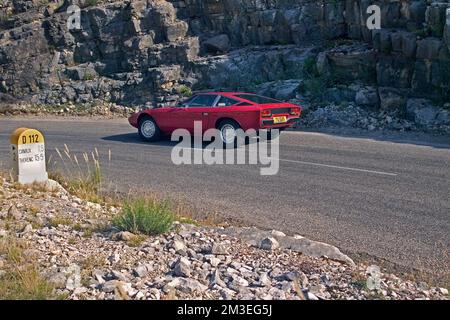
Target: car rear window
{"points": [[257, 99], [226, 102]]}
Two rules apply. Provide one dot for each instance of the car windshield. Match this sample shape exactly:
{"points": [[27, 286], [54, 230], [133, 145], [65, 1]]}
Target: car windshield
{"points": [[257, 99], [203, 100], [186, 101]]}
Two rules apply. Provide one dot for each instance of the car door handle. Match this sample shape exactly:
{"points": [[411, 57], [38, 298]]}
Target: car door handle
{"points": [[205, 113]]}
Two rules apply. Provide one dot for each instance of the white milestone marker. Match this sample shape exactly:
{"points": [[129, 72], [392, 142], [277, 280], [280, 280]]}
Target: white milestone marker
{"points": [[28, 156]]}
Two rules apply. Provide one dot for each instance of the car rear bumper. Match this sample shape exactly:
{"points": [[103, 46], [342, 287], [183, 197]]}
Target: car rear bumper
{"points": [[268, 124]]}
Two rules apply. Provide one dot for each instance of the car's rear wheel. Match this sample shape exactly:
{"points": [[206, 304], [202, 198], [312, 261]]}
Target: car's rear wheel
{"points": [[228, 132], [149, 130]]}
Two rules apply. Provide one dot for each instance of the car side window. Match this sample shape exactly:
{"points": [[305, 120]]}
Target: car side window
{"points": [[202, 100], [244, 104], [226, 102]]}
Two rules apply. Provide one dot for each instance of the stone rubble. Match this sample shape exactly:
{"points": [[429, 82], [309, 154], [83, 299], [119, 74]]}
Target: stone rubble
{"points": [[189, 262]]}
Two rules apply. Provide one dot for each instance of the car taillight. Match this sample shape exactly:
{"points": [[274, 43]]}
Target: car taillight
{"points": [[295, 111], [266, 113]]}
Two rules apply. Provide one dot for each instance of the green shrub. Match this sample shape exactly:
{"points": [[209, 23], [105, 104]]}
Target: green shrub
{"points": [[422, 33], [310, 67], [149, 217], [90, 3], [185, 91], [88, 76], [316, 87]]}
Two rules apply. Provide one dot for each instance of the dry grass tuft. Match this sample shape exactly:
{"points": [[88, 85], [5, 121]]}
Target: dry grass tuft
{"points": [[82, 175], [22, 279], [59, 220]]}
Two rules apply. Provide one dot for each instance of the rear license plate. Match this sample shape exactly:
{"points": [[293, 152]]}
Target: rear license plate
{"points": [[277, 120]]}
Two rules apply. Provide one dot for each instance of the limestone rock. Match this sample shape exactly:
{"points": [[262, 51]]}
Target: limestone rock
{"points": [[14, 213], [218, 44], [269, 244]]}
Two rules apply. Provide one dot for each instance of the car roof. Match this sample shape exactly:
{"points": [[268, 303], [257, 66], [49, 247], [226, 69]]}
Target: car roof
{"points": [[223, 93], [233, 95]]}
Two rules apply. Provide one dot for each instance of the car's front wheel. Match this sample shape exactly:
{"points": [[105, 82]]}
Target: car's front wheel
{"points": [[149, 130]]}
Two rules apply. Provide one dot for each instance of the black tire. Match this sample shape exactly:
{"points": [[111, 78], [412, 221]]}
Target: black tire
{"points": [[228, 124], [145, 131]]}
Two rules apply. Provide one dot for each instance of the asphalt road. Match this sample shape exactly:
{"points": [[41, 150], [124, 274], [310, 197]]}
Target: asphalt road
{"points": [[387, 196]]}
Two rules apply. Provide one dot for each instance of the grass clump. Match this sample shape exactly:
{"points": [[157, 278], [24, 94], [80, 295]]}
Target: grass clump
{"points": [[185, 91], [59, 220], [136, 241], [148, 217], [89, 3]]}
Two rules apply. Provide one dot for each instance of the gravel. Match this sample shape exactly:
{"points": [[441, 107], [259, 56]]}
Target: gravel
{"points": [[189, 262]]}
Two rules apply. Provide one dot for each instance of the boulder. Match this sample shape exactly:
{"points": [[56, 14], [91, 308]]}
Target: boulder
{"points": [[391, 99], [322, 64], [351, 62], [218, 44], [219, 249], [215, 279], [81, 73], [394, 72], [367, 97], [447, 33], [14, 213], [409, 44], [382, 40], [269, 243], [187, 285], [179, 247], [435, 17], [176, 31], [111, 286], [429, 48], [140, 271], [422, 112], [182, 268], [287, 90], [123, 236]]}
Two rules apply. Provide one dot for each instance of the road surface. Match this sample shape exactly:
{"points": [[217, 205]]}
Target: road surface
{"points": [[378, 195]]}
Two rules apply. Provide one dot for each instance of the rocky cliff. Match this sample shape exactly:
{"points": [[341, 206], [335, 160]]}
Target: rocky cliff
{"points": [[149, 53]]}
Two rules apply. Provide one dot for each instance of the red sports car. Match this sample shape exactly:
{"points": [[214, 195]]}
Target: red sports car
{"points": [[225, 111]]}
